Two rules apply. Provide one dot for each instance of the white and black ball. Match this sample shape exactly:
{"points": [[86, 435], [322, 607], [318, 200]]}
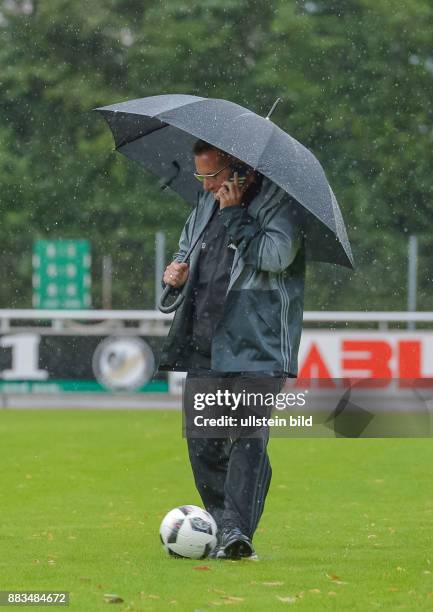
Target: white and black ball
{"points": [[188, 531]]}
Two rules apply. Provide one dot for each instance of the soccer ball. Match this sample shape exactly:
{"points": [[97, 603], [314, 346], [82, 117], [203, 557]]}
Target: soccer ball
{"points": [[188, 531]]}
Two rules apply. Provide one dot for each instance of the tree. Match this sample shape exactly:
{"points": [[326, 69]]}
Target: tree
{"points": [[356, 80]]}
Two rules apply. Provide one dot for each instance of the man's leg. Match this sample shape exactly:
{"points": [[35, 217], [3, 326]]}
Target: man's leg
{"points": [[209, 461], [209, 457], [247, 483], [249, 472]]}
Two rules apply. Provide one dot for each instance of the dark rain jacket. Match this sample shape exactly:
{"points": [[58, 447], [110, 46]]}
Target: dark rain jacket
{"points": [[260, 328]]}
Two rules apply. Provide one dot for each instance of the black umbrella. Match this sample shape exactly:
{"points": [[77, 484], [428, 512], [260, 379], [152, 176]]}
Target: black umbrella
{"points": [[158, 132]]}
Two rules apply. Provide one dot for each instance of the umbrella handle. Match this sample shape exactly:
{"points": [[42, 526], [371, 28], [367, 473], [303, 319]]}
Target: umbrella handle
{"points": [[171, 307]]}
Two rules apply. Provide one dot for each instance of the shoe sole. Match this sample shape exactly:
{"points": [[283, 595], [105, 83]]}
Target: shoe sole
{"points": [[253, 557]]}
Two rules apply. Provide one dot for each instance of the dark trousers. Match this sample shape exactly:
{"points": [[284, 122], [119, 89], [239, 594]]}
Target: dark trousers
{"points": [[233, 474]]}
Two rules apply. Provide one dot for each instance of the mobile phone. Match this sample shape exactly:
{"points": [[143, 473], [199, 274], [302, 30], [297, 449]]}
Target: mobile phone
{"points": [[242, 174]]}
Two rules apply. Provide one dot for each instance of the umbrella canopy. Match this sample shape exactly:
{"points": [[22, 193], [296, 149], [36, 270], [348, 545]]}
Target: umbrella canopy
{"points": [[158, 132]]}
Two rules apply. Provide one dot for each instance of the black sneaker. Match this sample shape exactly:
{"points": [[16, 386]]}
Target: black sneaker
{"points": [[235, 545]]}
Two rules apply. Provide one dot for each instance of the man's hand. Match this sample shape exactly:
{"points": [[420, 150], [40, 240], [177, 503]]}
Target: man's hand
{"points": [[176, 274], [229, 194]]}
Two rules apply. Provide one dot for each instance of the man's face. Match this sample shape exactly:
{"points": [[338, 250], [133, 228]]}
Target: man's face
{"points": [[209, 163]]}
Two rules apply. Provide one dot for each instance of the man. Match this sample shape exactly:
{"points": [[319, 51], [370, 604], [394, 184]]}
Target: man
{"points": [[241, 316]]}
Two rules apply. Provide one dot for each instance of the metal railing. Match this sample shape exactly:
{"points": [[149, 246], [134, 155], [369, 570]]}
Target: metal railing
{"points": [[155, 323]]}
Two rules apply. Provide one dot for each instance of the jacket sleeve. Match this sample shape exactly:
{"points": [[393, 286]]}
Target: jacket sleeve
{"points": [[184, 241], [185, 238], [269, 243]]}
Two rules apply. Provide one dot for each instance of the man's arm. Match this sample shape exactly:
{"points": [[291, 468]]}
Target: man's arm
{"points": [[270, 244]]}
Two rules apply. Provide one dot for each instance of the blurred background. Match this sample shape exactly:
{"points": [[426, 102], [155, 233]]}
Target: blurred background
{"points": [[356, 79]]}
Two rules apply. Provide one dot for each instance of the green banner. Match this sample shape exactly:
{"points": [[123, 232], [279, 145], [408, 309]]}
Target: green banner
{"points": [[61, 274]]}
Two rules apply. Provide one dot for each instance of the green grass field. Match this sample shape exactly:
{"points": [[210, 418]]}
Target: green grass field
{"points": [[348, 523]]}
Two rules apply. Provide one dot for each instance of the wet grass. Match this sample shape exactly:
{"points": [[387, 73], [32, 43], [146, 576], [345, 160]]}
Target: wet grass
{"points": [[348, 523]]}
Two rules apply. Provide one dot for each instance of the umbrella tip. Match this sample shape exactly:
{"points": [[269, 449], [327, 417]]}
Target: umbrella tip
{"points": [[274, 105]]}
